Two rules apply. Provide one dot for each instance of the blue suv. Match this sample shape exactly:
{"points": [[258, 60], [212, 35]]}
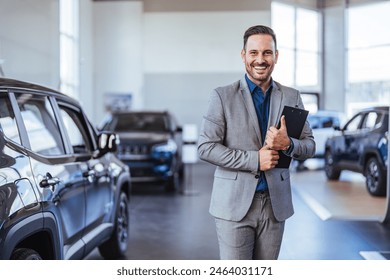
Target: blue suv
{"points": [[362, 146]]}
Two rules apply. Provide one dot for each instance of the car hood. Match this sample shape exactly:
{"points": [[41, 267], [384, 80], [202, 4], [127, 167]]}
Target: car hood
{"points": [[144, 136]]}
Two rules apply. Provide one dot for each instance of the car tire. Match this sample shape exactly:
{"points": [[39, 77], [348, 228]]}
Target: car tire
{"points": [[25, 254], [116, 247], [375, 178], [332, 173]]}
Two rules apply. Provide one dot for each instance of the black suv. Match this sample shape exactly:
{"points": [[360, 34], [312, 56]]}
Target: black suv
{"points": [[150, 144], [361, 146], [62, 190]]}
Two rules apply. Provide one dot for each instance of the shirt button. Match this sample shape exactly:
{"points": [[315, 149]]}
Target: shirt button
{"points": [[257, 176]]}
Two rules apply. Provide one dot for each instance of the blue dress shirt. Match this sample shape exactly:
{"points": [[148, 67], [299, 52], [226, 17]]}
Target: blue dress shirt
{"points": [[262, 104]]}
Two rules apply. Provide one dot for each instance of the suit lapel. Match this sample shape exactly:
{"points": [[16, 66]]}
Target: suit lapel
{"points": [[275, 107], [248, 101]]}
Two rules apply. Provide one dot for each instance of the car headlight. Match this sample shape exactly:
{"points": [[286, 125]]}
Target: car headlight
{"points": [[382, 147], [169, 147]]}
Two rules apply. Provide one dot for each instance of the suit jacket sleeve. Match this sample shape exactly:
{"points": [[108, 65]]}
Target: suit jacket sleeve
{"points": [[211, 146]]}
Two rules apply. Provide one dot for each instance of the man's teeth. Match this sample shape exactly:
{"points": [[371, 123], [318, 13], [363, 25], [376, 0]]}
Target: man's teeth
{"points": [[260, 67]]}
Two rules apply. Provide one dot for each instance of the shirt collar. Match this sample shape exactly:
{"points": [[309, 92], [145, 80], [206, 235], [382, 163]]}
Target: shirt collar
{"points": [[252, 86]]}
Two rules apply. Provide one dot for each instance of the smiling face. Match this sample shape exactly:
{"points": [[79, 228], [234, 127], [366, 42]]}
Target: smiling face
{"points": [[260, 57]]}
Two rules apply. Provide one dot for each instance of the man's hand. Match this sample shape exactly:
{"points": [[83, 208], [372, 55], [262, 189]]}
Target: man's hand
{"points": [[277, 139], [268, 158]]}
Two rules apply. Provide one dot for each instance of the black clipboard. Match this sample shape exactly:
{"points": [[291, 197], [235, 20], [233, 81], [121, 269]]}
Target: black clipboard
{"points": [[295, 121]]}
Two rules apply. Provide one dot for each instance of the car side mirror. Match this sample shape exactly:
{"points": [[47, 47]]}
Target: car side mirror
{"points": [[107, 142]]}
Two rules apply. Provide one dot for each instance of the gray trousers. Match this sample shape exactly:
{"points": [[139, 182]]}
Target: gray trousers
{"points": [[258, 236]]}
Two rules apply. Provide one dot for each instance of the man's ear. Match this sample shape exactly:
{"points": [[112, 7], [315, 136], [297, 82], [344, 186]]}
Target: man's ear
{"points": [[276, 56], [243, 55]]}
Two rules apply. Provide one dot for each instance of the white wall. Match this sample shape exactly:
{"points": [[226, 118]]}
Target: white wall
{"points": [[189, 53], [196, 41], [117, 52], [29, 40]]}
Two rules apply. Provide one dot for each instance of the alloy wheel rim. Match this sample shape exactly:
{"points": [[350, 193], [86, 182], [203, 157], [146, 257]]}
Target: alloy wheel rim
{"points": [[329, 162], [122, 224], [372, 175]]}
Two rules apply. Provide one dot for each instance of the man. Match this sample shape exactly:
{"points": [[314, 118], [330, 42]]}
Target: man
{"points": [[251, 199]]}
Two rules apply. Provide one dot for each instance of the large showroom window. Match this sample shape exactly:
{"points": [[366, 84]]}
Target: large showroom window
{"points": [[368, 56], [298, 34], [69, 43]]}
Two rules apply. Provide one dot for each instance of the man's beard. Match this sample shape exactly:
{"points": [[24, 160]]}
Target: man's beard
{"points": [[260, 78]]}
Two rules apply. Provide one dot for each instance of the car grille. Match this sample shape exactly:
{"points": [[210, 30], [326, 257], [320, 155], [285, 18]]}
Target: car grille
{"points": [[135, 149]]}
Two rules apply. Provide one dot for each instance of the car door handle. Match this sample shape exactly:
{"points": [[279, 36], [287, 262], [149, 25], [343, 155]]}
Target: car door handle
{"points": [[49, 181]]}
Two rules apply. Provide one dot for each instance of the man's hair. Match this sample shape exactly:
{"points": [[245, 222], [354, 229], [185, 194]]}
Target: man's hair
{"points": [[259, 29]]}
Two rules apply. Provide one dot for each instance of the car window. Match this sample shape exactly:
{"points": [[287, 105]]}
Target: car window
{"points": [[322, 121], [354, 123], [74, 125], [41, 125], [7, 119], [327, 122], [371, 120]]}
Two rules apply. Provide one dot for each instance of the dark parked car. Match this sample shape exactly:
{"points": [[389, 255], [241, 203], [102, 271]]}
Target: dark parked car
{"points": [[150, 144], [62, 190], [361, 146]]}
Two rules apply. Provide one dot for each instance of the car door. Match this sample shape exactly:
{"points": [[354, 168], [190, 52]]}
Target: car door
{"points": [[369, 135], [99, 192], [352, 133], [346, 146], [18, 197], [58, 176]]}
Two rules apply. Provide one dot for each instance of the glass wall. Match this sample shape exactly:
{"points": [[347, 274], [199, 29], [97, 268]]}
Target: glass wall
{"points": [[368, 56], [298, 33]]}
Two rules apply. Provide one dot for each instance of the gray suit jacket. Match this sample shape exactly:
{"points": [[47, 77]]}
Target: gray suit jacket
{"points": [[230, 138]]}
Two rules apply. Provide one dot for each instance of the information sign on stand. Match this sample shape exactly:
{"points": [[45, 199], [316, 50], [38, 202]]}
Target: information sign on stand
{"points": [[189, 156]]}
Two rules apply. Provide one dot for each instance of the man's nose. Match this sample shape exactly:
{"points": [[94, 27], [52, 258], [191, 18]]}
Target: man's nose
{"points": [[260, 58]]}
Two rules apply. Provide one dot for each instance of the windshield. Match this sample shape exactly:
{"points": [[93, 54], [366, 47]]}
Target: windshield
{"points": [[141, 122]]}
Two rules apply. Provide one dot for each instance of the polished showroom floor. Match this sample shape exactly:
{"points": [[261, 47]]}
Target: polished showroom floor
{"points": [[332, 220]]}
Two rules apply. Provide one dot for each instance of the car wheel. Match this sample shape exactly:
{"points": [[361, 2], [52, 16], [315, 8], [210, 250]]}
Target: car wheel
{"points": [[25, 254], [332, 173], [116, 246], [375, 178]]}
